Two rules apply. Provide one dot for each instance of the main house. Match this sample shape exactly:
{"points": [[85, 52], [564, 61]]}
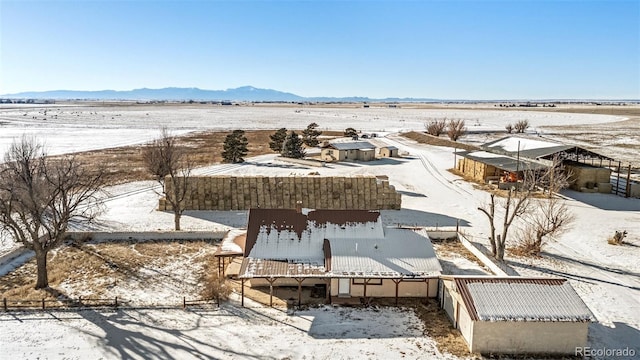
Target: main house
{"points": [[348, 251]]}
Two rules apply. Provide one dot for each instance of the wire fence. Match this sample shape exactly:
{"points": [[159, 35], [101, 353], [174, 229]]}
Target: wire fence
{"points": [[85, 303]]}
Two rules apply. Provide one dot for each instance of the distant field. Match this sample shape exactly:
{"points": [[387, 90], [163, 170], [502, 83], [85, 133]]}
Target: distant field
{"points": [[75, 127]]}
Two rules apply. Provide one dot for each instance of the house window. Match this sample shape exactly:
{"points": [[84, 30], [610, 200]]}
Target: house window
{"points": [[369, 281]]}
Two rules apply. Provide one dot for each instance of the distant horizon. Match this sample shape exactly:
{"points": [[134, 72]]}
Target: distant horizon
{"points": [[456, 49], [364, 98]]}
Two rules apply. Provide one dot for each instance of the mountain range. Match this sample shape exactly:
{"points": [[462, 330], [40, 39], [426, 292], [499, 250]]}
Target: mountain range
{"points": [[244, 93]]}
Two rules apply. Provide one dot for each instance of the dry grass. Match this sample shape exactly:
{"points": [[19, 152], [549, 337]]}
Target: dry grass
{"points": [[97, 268], [124, 164], [439, 327], [449, 248], [437, 141]]}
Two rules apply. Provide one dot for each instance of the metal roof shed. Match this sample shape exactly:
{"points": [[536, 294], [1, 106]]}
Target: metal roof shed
{"points": [[517, 315]]}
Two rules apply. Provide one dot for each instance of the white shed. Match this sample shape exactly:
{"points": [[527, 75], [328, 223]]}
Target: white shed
{"points": [[517, 315]]}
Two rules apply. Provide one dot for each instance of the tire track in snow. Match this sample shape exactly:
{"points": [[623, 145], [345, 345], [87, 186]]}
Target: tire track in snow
{"points": [[430, 167]]}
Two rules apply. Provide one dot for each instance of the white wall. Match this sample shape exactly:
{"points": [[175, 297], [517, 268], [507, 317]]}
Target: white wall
{"points": [[519, 337]]}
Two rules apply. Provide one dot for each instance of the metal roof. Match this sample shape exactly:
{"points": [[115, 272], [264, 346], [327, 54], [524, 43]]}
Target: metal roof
{"points": [[351, 145], [261, 268], [538, 148], [401, 253], [286, 234], [502, 162], [522, 299]]}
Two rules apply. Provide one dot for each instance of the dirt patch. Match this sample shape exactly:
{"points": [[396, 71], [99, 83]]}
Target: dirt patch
{"points": [[437, 141], [438, 327], [125, 164]]}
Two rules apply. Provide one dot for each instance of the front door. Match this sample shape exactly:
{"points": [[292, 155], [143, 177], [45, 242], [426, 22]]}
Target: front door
{"points": [[343, 287]]}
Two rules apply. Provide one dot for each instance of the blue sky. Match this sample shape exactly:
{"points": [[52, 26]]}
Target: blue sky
{"points": [[432, 49]]}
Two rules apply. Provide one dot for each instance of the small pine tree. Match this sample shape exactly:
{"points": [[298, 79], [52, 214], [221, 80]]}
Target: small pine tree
{"points": [[350, 132], [310, 135], [235, 147], [292, 147], [277, 139]]}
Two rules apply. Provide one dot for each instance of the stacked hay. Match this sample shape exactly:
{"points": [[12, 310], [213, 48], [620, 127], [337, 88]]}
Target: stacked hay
{"points": [[283, 192]]}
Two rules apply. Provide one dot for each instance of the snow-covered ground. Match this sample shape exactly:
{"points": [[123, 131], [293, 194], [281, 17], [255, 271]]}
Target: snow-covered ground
{"points": [[80, 128], [230, 332], [607, 277]]}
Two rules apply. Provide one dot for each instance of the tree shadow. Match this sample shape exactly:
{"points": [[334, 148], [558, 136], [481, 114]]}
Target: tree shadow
{"points": [[603, 201], [231, 218], [590, 264], [134, 334], [450, 268], [411, 193], [410, 217], [618, 336]]}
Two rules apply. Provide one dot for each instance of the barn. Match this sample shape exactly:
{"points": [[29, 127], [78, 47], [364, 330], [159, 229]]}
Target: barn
{"points": [[505, 160], [516, 315]]}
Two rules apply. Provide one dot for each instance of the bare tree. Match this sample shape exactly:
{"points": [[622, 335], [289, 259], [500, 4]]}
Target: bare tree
{"points": [[455, 129], [436, 127], [40, 197], [550, 217], [521, 126], [169, 165], [509, 128], [515, 205]]}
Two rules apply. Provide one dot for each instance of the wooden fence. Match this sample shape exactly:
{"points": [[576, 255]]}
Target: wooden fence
{"points": [[79, 303], [625, 181]]}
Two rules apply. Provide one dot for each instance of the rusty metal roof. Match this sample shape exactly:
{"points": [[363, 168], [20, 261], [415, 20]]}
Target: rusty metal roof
{"points": [[290, 224], [522, 299], [261, 268]]}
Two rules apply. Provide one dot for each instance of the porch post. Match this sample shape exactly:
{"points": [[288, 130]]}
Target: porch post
{"points": [[397, 282], [242, 292], [299, 280], [271, 280], [365, 290], [328, 291]]}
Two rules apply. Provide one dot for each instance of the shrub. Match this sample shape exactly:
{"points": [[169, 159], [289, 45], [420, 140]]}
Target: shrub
{"points": [[509, 128], [521, 126], [215, 286], [436, 127], [455, 129]]}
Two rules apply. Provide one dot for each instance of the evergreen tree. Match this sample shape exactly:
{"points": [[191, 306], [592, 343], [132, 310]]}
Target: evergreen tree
{"points": [[293, 147], [235, 147], [350, 132], [310, 135], [277, 139]]}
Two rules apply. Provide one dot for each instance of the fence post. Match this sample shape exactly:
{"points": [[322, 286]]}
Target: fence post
{"points": [[627, 189], [115, 302], [42, 303], [184, 302], [4, 303], [618, 180]]}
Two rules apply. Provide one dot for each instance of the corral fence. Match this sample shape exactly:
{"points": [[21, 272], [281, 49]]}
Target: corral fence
{"points": [[88, 303], [625, 181]]}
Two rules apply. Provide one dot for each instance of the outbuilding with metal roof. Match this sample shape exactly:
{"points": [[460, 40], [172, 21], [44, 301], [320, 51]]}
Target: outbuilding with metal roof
{"points": [[516, 315]]}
